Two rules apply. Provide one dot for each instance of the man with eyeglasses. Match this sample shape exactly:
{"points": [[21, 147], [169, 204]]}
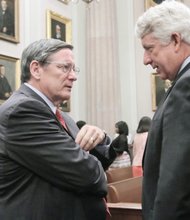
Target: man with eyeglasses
{"points": [[47, 168]]}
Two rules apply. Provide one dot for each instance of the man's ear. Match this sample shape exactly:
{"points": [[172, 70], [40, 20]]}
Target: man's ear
{"points": [[176, 39], [35, 69]]}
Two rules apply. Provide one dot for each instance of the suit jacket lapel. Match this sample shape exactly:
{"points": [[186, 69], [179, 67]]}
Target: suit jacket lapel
{"points": [[159, 109], [73, 129], [29, 92], [174, 82]]}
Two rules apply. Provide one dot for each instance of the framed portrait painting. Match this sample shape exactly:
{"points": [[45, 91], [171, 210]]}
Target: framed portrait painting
{"points": [[9, 20], [9, 76], [58, 27], [159, 89]]}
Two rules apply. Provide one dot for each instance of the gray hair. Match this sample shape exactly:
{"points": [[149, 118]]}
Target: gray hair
{"points": [[164, 19], [39, 50]]}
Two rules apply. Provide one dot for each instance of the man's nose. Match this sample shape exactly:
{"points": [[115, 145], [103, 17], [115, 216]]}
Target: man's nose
{"points": [[146, 59]]}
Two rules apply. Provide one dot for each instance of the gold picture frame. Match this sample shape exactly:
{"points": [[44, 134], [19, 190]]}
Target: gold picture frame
{"points": [[56, 22], [12, 74], [9, 21], [159, 89]]}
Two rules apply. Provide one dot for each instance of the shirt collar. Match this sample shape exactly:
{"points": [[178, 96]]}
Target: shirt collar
{"points": [[184, 64], [49, 103]]}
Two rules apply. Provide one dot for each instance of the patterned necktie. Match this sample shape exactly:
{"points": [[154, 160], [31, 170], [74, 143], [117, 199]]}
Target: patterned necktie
{"points": [[60, 118]]}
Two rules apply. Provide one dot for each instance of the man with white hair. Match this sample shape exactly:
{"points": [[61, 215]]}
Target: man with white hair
{"points": [[164, 31]]}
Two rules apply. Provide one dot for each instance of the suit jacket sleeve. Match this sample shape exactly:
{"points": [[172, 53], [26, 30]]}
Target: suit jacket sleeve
{"points": [[35, 139], [104, 151]]}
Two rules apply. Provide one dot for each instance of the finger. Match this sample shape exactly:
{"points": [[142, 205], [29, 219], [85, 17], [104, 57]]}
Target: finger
{"points": [[89, 136], [81, 134], [94, 141], [89, 145], [87, 141], [84, 135]]}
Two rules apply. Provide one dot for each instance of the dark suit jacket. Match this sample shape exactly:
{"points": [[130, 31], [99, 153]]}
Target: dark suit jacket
{"points": [[44, 174], [166, 188]]}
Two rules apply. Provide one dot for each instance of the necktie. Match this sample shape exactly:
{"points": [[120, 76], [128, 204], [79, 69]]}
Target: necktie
{"points": [[60, 118]]}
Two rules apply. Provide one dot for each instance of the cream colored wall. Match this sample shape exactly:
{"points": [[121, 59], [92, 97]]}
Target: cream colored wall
{"points": [[135, 78], [32, 26]]}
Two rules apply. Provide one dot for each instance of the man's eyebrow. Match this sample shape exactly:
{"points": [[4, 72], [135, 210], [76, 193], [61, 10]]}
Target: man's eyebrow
{"points": [[148, 46]]}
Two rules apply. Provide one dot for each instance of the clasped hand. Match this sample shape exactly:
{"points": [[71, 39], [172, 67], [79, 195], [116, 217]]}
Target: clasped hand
{"points": [[89, 136]]}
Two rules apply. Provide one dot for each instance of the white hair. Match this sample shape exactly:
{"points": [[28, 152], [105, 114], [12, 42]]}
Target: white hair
{"points": [[164, 19]]}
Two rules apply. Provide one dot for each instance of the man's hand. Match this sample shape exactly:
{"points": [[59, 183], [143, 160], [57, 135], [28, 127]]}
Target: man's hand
{"points": [[89, 136]]}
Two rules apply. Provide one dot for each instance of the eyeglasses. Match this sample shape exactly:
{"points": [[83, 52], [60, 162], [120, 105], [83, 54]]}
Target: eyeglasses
{"points": [[65, 67]]}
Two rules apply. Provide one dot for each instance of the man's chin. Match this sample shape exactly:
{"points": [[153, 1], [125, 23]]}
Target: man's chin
{"points": [[162, 76], [66, 94], [67, 97]]}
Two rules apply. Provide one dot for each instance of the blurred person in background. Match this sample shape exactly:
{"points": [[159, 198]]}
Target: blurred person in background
{"points": [[139, 143]]}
